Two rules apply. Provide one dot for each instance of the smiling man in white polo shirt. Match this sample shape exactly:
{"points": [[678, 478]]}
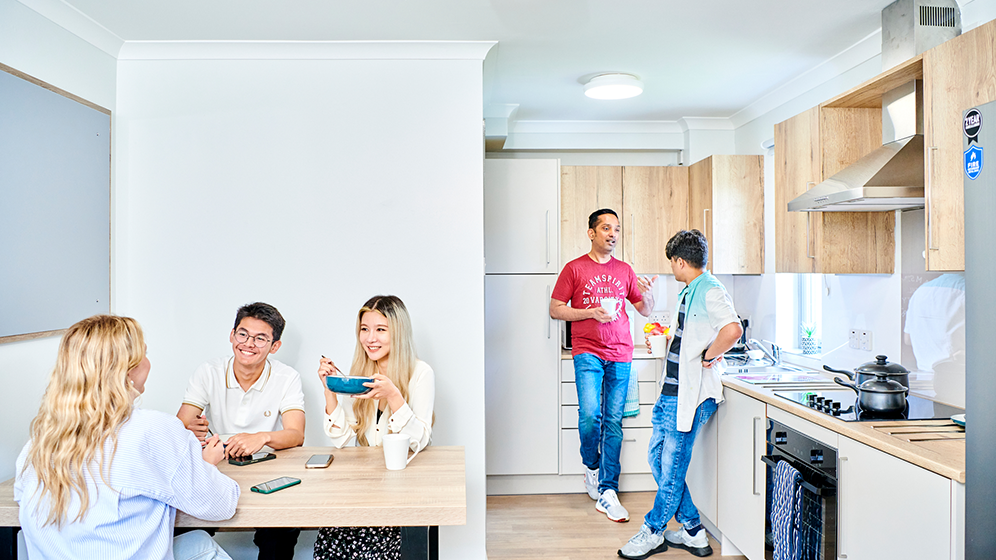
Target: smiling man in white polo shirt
{"points": [[256, 400]]}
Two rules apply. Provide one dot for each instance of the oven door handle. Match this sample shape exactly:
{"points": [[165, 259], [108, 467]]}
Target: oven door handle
{"points": [[772, 461]]}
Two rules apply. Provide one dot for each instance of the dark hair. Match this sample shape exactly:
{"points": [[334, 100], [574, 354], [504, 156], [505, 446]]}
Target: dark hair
{"points": [[264, 312], [689, 246], [593, 218]]}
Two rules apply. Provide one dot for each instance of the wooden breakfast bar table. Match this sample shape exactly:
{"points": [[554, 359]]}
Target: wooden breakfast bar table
{"points": [[356, 490]]}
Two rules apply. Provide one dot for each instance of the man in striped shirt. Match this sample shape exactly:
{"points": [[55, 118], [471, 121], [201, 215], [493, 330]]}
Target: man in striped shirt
{"points": [[705, 326]]}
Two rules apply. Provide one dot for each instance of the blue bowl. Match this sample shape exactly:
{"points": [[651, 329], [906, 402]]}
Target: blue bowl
{"points": [[351, 385]]}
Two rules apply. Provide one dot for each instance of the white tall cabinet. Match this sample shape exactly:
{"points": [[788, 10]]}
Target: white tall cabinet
{"points": [[521, 341]]}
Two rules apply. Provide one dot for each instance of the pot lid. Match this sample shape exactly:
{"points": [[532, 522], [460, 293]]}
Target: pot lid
{"points": [[882, 365], [882, 384]]}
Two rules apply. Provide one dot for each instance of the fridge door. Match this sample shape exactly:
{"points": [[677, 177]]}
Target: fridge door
{"points": [[521, 359], [521, 216]]}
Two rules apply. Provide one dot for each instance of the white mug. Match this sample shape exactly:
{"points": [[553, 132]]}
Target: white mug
{"points": [[658, 345], [610, 305], [396, 447]]}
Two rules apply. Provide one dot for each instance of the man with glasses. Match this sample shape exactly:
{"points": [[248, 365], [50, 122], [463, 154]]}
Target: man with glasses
{"points": [[252, 401]]}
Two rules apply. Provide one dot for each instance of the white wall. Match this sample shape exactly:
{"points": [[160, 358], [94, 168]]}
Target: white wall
{"points": [[36, 46], [311, 185]]}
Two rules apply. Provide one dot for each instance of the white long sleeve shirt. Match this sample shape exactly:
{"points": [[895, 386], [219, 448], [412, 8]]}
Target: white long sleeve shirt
{"points": [[157, 469], [414, 418]]}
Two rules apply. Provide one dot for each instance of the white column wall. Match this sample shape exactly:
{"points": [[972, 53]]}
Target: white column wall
{"points": [[311, 185]]}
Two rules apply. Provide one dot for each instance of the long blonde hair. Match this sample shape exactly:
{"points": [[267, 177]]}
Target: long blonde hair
{"points": [[87, 399], [400, 363]]}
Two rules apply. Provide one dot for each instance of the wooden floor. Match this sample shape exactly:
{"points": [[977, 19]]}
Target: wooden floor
{"points": [[566, 527]]}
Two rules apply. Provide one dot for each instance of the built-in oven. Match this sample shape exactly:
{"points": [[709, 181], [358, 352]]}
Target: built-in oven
{"points": [[817, 463]]}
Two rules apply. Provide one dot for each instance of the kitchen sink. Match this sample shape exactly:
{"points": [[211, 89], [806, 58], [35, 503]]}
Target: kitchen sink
{"points": [[765, 369]]}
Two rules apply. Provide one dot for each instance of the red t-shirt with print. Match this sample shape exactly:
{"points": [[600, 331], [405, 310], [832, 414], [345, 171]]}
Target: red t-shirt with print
{"points": [[583, 284]]}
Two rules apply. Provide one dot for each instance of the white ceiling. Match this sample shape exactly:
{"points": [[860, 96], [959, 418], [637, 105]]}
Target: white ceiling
{"points": [[697, 58]]}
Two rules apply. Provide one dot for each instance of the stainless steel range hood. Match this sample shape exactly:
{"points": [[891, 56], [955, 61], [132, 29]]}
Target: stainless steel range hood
{"points": [[891, 177]]}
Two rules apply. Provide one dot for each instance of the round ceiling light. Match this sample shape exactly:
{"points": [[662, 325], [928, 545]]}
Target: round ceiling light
{"points": [[613, 86]]}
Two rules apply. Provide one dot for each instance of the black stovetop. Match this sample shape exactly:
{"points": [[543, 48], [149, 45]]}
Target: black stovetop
{"points": [[843, 405]]}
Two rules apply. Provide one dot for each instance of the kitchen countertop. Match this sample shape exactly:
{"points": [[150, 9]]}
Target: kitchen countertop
{"points": [[935, 445], [639, 352]]}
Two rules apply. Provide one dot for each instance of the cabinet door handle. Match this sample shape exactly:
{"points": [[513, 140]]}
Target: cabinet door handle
{"points": [[840, 507], [809, 227], [547, 238], [930, 198], [754, 457], [632, 229], [549, 319], [630, 439]]}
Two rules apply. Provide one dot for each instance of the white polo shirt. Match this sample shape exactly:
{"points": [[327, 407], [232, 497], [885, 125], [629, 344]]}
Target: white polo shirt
{"points": [[230, 410]]}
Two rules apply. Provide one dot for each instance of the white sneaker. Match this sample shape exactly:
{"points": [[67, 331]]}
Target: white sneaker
{"points": [[643, 544], [591, 482], [697, 545], [608, 503]]}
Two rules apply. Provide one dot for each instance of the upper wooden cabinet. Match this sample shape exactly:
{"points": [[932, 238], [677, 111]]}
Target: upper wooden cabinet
{"points": [[958, 75], [584, 189], [652, 203], [655, 207], [809, 148], [726, 203]]}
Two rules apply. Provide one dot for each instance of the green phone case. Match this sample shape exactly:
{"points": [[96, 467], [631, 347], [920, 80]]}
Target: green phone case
{"points": [[258, 488]]}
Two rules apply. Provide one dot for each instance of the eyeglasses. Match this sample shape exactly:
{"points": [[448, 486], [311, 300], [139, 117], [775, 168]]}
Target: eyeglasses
{"points": [[258, 341]]}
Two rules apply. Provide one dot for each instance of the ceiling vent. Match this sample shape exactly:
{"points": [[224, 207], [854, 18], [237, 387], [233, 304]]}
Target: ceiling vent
{"points": [[938, 16]]}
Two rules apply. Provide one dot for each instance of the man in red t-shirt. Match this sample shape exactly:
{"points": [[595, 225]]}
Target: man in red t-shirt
{"points": [[597, 286]]}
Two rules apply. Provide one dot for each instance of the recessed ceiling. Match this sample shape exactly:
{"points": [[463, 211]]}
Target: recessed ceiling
{"points": [[696, 58]]}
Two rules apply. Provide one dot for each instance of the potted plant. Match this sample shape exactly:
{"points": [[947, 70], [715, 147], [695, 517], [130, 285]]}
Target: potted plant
{"points": [[810, 345]]}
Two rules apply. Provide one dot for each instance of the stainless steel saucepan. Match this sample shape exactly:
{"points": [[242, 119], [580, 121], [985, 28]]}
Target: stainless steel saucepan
{"points": [[881, 366]]}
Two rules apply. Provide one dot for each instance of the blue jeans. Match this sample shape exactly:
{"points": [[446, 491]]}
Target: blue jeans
{"points": [[602, 387], [669, 454], [197, 545]]}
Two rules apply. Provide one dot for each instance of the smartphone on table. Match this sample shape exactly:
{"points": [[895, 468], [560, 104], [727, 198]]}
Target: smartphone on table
{"points": [[271, 486], [319, 461], [250, 459]]}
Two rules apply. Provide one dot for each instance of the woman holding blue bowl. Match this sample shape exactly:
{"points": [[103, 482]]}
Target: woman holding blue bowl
{"points": [[400, 401]]}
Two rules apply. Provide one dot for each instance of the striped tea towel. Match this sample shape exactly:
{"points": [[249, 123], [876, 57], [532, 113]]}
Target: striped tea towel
{"points": [[632, 407], [786, 511]]}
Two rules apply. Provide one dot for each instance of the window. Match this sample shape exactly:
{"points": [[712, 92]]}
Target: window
{"points": [[799, 301]]}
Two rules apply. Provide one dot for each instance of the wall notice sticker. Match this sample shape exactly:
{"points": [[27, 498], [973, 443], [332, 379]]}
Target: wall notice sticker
{"points": [[973, 161], [972, 125]]}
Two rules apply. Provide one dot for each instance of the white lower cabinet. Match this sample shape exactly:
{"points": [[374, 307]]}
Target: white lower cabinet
{"points": [[702, 470], [521, 351], [741, 473], [636, 429], [890, 508]]}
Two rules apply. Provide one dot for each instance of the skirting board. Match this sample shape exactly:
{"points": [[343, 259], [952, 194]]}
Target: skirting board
{"points": [[505, 485]]}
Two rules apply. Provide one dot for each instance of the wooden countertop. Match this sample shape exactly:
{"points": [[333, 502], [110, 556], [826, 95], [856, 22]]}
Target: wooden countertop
{"points": [[355, 490], [936, 445]]}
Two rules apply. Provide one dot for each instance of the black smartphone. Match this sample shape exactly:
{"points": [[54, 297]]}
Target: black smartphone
{"points": [[271, 486], [250, 459], [319, 461]]}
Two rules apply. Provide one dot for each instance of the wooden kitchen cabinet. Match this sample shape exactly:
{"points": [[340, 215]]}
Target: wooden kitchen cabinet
{"points": [[726, 203], [809, 148], [652, 203], [584, 189], [889, 508], [655, 207], [957, 75], [741, 473]]}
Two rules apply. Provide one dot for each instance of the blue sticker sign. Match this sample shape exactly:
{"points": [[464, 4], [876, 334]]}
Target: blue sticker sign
{"points": [[973, 161]]}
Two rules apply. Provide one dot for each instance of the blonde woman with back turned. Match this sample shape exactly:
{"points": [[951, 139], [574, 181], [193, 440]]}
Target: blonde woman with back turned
{"points": [[102, 479], [400, 401]]}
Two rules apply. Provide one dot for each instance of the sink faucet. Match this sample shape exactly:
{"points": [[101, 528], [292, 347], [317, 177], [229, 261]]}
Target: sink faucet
{"points": [[775, 354]]}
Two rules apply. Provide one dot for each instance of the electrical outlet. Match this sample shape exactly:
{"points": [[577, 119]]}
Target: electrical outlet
{"points": [[865, 338], [853, 340], [662, 317]]}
